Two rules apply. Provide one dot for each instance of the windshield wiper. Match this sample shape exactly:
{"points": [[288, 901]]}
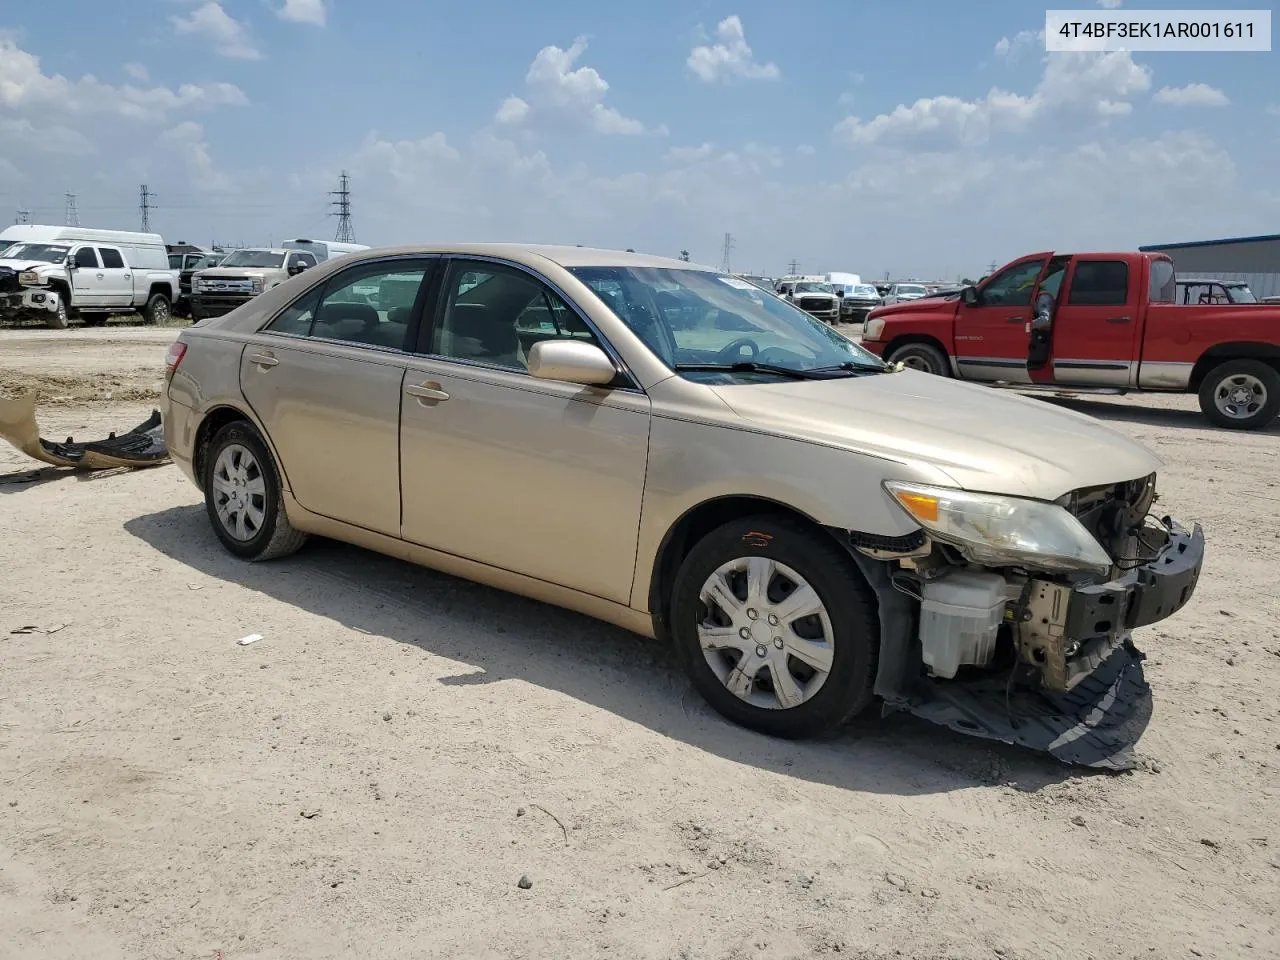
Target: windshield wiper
{"points": [[750, 366], [853, 366]]}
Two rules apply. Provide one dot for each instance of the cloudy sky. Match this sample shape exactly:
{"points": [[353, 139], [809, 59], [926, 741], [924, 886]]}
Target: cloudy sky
{"points": [[919, 138]]}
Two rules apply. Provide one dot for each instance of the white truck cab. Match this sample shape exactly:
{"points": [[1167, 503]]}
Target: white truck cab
{"points": [[54, 273]]}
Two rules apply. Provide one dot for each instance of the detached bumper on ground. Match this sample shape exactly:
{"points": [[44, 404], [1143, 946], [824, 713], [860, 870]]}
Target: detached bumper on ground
{"points": [[143, 446], [1100, 704]]}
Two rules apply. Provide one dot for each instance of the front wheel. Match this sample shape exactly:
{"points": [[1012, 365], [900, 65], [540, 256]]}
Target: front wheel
{"points": [[1241, 394], [60, 317], [157, 310], [242, 496], [776, 627], [923, 357]]}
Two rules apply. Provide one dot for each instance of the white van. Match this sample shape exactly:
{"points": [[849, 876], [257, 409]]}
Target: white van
{"points": [[54, 273], [323, 249], [843, 282]]}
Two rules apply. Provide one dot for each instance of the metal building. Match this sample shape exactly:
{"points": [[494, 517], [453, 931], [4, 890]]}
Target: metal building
{"points": [[1256, 260]]}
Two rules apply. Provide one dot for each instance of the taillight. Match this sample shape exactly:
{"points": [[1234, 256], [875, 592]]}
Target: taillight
{"points": [[177, 350]]}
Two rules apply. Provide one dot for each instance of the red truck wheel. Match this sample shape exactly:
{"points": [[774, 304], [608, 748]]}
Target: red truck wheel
{"points": [[1241, 394], [923, 357]]}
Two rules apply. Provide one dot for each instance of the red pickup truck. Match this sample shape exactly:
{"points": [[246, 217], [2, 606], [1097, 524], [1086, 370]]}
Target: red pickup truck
{"points": [[1092, 322]]}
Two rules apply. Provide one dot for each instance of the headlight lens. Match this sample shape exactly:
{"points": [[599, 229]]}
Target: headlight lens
{"points": [[29, 278], [872, 329], [257, 284], [1001, 531]]}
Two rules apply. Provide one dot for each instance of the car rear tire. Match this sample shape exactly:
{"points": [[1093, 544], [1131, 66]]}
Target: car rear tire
{"points": [[776, 627], [923, 357], [242, 496], [1241, 394], [157, 311]]}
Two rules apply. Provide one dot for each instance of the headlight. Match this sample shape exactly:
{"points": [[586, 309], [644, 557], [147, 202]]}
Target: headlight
{"points": [[29, 278], [257, 284], [873, 328], [1002, 531]]}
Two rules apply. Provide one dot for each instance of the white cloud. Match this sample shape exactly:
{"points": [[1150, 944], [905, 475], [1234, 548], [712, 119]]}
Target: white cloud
{"points": [[186, 142], [21, 132], [564, 97], [25, 87], [1100, 85], [303, 11], [227, 34], [805, 150], [1192, 95], [686, 154], [1273, 110], [137, 71], [1019, 43], [730, 58], [1109, 4]]}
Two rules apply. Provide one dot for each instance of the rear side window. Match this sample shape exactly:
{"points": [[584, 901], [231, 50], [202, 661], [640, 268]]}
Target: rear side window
{"points": [[111, 258], [1163, 286], [1099, 283]]}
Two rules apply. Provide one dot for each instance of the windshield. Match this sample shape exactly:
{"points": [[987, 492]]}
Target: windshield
{"points": [[1241, 294], [698, 317], [865, 290], [814, 288], [42, 252], [911, 288], [253, 258]]}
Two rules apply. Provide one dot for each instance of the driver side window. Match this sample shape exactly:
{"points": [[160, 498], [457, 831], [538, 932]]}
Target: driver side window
{"points": [[1012, 287]]}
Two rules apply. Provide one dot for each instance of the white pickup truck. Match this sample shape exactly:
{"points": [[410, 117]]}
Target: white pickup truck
{"points": [[53, 274]]}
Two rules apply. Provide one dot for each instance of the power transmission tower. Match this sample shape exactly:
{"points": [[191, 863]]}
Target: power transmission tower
{"points": [[72, 215], [23, 216], [343, 203], [728, 249], [684, 255], [794, 267], [146, 202]]}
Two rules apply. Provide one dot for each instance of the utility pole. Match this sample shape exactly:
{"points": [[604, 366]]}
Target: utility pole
{"points": [[146, 201], [343, 204], [728, 249], [72, 215], [793, 268]]}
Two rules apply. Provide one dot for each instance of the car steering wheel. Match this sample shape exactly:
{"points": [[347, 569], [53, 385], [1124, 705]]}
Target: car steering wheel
{"points": [[734, 350]]}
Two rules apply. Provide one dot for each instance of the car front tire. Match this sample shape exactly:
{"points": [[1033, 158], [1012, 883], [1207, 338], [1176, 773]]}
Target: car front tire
{"points": [[776, 627], [923, 357], [242, 495]]}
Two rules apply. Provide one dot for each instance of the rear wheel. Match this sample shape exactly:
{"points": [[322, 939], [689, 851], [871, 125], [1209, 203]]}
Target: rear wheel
{"points": [[242, 496], [776, 627], [1241, 394], [924, 357], [157, 309]]}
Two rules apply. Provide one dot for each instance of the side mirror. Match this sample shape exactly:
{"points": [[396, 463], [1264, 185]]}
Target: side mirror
{"points": [[571, 362], [970, 296]]}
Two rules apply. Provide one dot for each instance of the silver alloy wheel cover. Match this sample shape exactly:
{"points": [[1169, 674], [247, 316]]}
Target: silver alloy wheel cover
{"points": [[1240, 396], [239, 492], [160, 312], [764, 634], [916, 362]]}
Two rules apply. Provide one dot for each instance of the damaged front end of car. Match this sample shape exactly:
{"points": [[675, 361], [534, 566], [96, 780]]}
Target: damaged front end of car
{"points": [[1012, 619]]}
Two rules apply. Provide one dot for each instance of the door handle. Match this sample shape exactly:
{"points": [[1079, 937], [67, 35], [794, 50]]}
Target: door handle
{"points": [[427, 393], [1016, 319], [128, 276], [99, 276], [1117, 319], [263, 359]]}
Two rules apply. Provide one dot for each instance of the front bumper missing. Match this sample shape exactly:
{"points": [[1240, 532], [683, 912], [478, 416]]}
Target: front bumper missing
{"points": [[143, 446], [1086, 701]]}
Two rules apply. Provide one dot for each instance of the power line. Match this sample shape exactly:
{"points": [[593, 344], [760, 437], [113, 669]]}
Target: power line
{"points": [[343, 203], [728, 248], [72, 215], [144, 205]]}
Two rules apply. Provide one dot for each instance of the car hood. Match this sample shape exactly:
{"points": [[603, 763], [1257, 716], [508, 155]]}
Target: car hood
{"points": [[19, 265], [985, 439], [213, 273], [917, 306]]}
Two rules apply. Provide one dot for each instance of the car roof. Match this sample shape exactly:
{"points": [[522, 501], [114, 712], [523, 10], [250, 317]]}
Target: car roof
{"points": [[534, 254]]}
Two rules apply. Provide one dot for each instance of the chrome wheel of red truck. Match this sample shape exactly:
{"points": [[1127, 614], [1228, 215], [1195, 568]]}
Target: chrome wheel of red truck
{"points": [[923, 357], [1241, 394]]}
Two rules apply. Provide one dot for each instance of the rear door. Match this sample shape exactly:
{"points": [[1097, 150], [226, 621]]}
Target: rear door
{"points": [[1095, 324], [117, 278], [991, 335], [325, 380]]}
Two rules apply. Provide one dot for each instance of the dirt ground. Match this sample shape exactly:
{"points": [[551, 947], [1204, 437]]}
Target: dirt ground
{"points": [[374, 777]]}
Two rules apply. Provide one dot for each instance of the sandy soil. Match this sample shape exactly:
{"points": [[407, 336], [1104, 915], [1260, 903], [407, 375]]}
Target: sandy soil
{"points": [[374, 777]]}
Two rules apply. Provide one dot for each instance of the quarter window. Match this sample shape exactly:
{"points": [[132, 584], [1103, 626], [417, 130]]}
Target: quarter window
{"points": [[1163, 285], [1012, 287], [111, 258], [495, 315], [1099, 283]]}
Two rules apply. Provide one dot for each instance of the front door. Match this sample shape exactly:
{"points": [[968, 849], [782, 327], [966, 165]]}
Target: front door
{"points": [[117, 278], [87, 279], [534, 476], [1094, 328], [991, 335], [325, 379]]}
